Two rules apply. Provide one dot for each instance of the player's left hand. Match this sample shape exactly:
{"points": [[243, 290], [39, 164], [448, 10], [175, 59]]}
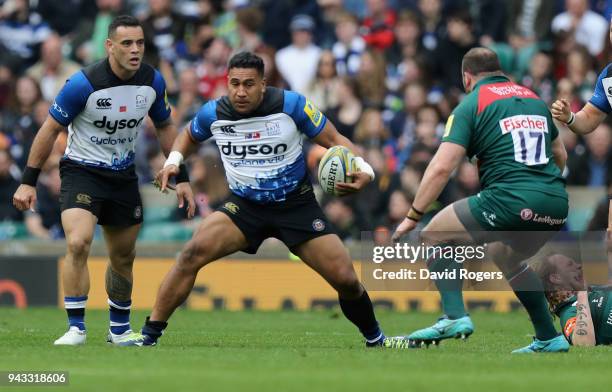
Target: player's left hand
{"points": [[404, 227], [360, 180], [185, 193]]}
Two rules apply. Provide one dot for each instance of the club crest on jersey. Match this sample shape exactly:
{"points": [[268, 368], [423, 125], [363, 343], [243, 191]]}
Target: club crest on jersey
{"points": [[273, 128], [318, 225], [313, 113], [137, 212], [141, 102], [526, 214]]}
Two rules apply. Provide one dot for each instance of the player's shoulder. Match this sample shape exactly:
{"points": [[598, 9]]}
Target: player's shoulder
{"points": [[208, 111], [606, 72], [101, 76], [468, 103], [79, 82]]}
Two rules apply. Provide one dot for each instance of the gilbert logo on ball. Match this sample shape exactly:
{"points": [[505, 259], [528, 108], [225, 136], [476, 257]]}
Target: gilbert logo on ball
{"points": [[334, 165]]}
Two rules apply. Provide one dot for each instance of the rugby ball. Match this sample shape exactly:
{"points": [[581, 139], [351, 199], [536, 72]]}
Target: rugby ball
{"points": [[334, 165]]}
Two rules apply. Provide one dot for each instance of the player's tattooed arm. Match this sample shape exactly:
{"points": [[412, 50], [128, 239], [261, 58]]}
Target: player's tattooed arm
{"points": [[584, 333]]}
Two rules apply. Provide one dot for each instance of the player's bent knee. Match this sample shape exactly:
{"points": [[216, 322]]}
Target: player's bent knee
{"points": [[193, 257], [78, 246]]}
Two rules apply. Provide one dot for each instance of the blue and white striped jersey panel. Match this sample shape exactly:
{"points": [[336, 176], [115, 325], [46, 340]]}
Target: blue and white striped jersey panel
{"points": [[602, 96], [262, 155]]}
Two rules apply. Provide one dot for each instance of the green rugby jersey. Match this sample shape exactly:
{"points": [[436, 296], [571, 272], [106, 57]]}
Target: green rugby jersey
{"points": [[601, 313], [509, 130]]}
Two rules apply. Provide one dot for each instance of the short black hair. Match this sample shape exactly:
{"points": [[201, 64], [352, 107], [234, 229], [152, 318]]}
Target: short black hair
{"points": [[247, 60], [461, 15], [122, 20], [480, 60]]}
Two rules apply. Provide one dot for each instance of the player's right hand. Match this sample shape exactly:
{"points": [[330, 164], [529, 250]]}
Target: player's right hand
{"points": [[561, 110], [25, 197], [406, 226], [164, 175]]}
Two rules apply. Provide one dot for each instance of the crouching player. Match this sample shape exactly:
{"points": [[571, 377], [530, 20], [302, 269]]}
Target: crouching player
{"points": [[258, 131]]}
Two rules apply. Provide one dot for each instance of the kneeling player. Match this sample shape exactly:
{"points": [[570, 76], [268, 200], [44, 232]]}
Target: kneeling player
{"points": [[259, 133]]}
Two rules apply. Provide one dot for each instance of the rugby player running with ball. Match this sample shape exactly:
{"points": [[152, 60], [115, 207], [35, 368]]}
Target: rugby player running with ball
{"points": [[259, 130]]}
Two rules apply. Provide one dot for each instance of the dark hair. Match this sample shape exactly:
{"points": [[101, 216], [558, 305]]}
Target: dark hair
{"points": [[461, 16], [480, 60], [122, 20], [247, 60]]}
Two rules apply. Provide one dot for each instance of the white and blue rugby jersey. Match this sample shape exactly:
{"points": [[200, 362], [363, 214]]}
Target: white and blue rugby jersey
{"points": [[602, 97], [104, 113], [262, 152]]}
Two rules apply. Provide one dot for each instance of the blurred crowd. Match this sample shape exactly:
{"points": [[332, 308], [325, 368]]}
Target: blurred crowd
{"points": [[385, 72]]}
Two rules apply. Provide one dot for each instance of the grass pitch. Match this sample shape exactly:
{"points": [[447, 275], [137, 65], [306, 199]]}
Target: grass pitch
{"points": [[294, 351]]}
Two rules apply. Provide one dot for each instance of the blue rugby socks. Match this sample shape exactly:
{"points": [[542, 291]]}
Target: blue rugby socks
{"points": [[75, 308], [119, 316]]}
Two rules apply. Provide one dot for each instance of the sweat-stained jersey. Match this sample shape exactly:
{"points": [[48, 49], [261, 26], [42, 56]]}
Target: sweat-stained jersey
{"points": [[509, 130], [601, 313], [104, 113], [261, 152]]}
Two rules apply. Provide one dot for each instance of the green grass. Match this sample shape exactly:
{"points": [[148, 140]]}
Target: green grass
{"points": [[294, 351]]}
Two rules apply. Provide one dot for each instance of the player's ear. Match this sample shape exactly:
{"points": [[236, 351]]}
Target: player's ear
{"points": [[263, 85], [467, 81], [108, 44]]}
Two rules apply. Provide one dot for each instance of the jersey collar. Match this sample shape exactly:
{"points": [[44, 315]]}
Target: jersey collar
{"points": [[491, 80], [117, 78]]}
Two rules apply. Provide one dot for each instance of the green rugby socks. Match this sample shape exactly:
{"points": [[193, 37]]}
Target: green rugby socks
{"points": [[529, 290], [451, 290]]}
